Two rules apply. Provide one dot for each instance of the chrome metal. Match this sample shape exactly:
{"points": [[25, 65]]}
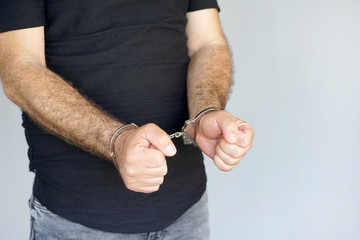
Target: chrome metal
{"points": [[176, 135], [185, 136]]}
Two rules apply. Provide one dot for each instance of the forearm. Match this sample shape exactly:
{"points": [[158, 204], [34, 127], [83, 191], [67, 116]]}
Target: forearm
{"points": [[57, 107], [209, 78]]}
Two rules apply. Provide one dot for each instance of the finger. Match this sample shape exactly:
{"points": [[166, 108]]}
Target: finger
{"points": [[226, 158], [245, 134], [160, 139], [142, 168], [229, 128], [145, 173], [146, 189], [220, 164], [233, 150], [149, 182], [152, 158], [155, 172]]}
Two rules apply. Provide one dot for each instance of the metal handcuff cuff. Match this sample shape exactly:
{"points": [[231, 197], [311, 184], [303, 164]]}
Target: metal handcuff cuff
{"points": [[187, 140]]}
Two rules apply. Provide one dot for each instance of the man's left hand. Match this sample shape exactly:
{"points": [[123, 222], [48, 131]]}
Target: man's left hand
{"points": [[224, 138]]}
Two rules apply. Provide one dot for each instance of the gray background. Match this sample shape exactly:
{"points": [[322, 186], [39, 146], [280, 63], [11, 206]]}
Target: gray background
{"points": [[297, 82]]}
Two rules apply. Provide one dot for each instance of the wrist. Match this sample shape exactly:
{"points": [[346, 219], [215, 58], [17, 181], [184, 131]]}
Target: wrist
{"points": [[119, 135], [191, 126], [197, 109]]}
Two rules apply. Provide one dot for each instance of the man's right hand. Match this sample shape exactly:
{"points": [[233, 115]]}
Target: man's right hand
{"points": [[140, 157]]}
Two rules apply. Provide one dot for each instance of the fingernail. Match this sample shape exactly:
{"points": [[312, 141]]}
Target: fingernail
{"points": [[171, 150]]}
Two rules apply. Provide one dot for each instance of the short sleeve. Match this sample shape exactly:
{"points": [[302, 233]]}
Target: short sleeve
{"points": [[195, 5], [19, 14]]}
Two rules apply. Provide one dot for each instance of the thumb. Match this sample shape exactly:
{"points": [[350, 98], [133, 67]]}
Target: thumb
{"points": [[159, 139], [245, 134], [229, 130]]}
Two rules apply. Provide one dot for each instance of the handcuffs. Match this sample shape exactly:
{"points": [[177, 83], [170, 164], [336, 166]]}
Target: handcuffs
{"points": [[184, 133]]}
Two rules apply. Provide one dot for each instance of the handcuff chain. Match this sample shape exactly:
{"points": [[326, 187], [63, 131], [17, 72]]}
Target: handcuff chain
{"points": [[185, 137], [176, 135]]}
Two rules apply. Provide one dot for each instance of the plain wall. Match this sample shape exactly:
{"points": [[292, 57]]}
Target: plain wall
{"points": [[297, 82]]}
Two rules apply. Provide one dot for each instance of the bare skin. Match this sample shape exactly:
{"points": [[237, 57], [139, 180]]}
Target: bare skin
{"points": [[49, 100], [61, 110], [210, 70], [221, 136]]}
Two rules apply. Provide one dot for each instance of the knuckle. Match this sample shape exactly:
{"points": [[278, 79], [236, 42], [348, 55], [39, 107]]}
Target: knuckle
{"points": [[129, 182], [146, 190], [226, 168], [164, 170], [131, 187], [130, 172], [231, 161], [160, 181], [150, 189], [238, 153], [222, 165], [245, 142]]}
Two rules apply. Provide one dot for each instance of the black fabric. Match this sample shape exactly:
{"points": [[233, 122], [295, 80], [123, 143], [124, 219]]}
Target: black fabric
{"points": [[18, 14], [130, 58], [195, 5]]}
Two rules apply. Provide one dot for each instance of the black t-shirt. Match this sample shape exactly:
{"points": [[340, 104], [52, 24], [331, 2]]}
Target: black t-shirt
{"points": [[130, 58]]}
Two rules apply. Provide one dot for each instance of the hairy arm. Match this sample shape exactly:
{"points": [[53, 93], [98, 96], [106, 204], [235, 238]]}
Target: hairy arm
{"points": [[47, 98], [60, 109], [221, 136], [210, 70]]}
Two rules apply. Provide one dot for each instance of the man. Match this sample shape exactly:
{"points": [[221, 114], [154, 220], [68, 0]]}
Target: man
{"points": [[82, 72]]}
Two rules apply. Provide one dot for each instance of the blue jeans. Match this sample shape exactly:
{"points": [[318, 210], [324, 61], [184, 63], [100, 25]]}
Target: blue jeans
{"points": [[45, 225]]}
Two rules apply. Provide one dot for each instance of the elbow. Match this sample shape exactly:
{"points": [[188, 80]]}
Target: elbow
{"points": [[8, 90], [208, 46], [191, 51], [194, 48]]}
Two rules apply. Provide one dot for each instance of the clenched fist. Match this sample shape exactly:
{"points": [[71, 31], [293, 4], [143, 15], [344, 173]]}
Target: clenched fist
{"points": [[224, 138], [140, 157]]}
